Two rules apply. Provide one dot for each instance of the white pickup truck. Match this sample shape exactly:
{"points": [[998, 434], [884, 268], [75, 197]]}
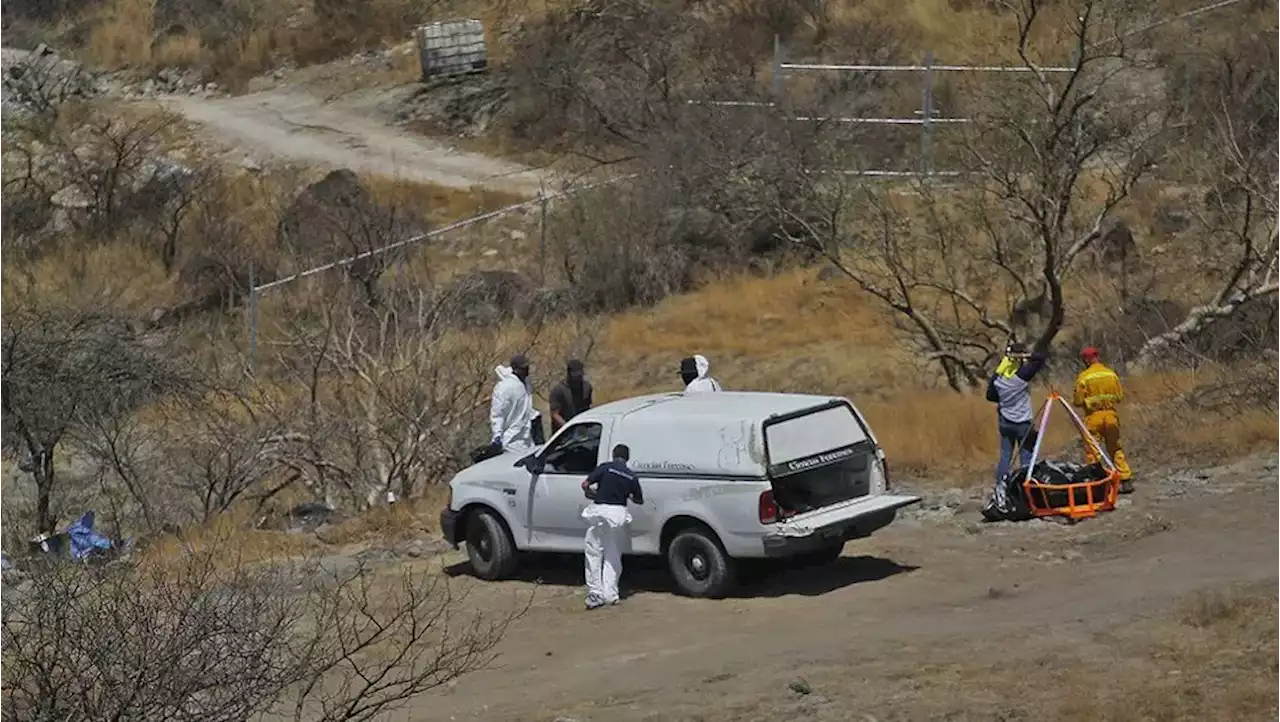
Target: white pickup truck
{"points": [[726, 476]]}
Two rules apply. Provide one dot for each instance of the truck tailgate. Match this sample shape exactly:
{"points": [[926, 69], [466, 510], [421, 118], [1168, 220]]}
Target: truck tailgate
{"points": [[809, 523]]}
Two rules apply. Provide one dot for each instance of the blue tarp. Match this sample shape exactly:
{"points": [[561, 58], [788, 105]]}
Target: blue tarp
{"points": [[84, 539]]}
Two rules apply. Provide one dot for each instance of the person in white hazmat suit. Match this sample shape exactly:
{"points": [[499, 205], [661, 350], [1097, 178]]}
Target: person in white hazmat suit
{"points": [[694, 371], [511, 413], [608, 487]]}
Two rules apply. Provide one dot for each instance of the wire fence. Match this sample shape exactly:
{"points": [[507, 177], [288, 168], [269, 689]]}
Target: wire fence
{"points": [[926, 117], [542, 202], [927, 114]]}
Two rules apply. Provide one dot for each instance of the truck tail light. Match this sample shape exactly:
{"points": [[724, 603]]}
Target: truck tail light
{"points": [[768, 509]]}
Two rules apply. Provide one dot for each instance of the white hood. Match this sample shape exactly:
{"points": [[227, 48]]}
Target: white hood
{"points": [[704, 382], [702, 364], [511, 410]]}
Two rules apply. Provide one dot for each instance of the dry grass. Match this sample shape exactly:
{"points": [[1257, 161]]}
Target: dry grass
{"points": [[440, 204], [183, 51], [122, 277], [121, 34]]}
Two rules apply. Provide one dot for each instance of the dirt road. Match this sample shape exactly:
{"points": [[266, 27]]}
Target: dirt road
{"points": [[293, 124], [937, 617]]}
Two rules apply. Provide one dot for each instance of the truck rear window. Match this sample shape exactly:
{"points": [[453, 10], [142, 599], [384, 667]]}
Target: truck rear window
{"points": [[824, 436]]}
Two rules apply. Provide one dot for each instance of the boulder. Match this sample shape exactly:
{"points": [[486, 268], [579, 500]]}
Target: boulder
{"points": [[548, 304], [485, 297], [321, 219], [1116, 243], [71, 197]]}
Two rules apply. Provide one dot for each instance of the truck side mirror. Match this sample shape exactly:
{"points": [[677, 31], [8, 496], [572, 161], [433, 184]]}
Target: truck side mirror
{"points": [[532, 463]]}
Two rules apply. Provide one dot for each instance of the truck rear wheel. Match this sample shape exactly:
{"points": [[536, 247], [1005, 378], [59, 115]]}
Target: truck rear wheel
{"points": [[490, 549], [699, 565]]}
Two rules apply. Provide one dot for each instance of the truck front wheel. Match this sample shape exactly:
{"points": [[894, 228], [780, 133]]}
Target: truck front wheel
{"points": [[699, 565], [489, 546]]}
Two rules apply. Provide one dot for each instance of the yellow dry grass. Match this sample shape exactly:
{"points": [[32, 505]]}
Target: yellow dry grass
{"points": [[184, 51], [440, 204], [120, 34], [122, 277]]}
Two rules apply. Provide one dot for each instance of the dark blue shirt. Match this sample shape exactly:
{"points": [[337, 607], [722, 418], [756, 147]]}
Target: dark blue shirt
{"points": [[614, 482]]}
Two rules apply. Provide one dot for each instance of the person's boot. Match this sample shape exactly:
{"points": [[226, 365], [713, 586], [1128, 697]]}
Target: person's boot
{"points": [[1126, 486]]}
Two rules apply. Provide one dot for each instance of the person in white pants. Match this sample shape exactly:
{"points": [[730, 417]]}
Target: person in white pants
{"points": [[608, 487]]}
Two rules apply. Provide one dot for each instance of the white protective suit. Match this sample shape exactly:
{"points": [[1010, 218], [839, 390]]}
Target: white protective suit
{"points": [[606, 530], [512, 412], [703, 382]]}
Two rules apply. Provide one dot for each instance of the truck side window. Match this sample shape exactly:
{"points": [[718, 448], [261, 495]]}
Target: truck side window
{"points": [[577, 451]]}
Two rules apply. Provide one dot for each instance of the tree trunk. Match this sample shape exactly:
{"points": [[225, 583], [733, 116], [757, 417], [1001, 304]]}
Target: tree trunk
{"points": [[43, 474]]}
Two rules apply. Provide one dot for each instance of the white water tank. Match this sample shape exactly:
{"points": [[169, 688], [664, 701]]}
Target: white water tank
{"points": [[451, 48]]}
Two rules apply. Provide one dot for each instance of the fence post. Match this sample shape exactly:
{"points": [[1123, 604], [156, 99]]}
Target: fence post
{"points": [[253, 315], [926, 125], [777, 69]]}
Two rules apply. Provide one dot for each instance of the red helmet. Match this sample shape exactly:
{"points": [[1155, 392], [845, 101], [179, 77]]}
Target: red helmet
{"points": [[1089, 354]]}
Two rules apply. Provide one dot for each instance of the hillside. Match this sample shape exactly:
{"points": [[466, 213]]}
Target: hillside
{"points": [[240, 326]]}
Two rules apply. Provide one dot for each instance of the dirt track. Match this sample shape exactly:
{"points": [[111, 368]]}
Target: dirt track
{"points": [[922, 621], [295, 125]]}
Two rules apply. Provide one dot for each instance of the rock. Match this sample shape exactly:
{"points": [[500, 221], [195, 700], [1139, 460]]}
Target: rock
{"points": [[485, 297], [490, 252], [1170, 219], [61, 221], [830, 273], [71, 197], [251, 164], [1116, 244], [327, 533], [309, 516], [322, 219], [518, 235], [800, 686], [37, 82], [953, 497], [465, 107]]}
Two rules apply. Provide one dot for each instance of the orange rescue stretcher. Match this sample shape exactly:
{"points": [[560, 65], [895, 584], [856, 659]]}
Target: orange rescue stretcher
{"points": [[1078, 500]]}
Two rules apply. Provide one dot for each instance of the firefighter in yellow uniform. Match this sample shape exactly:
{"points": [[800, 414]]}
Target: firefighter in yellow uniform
{"points": [[1098, 391]]}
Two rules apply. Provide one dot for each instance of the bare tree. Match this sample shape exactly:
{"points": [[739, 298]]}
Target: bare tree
{"points": [[61, 371], [212, 636], [338, 216], [972, 265], [1237, 225], [107, 158], [394, 391]]}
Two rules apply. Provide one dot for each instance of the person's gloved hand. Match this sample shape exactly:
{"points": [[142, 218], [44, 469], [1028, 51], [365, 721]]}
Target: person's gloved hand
{"points": [[497, 442]]}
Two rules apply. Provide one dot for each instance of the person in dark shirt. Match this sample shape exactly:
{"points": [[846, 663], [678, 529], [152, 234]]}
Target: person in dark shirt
{"points": [[571, 396], [608, 487]]}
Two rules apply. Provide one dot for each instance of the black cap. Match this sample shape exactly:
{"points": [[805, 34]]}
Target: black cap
{"points": [[575, 364], [688, 366], [1017, 349], [519, 361]]}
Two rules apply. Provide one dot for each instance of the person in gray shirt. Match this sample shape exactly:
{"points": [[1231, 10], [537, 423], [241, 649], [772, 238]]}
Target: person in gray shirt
{"points": [[1010, 389]]}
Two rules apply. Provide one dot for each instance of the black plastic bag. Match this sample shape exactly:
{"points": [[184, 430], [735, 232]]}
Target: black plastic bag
{"points": [[1008, 501], [535, 431], [488, 451]]}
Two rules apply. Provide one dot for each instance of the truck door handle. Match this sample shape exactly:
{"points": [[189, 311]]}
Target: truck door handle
{"points": [[509, 491]]}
